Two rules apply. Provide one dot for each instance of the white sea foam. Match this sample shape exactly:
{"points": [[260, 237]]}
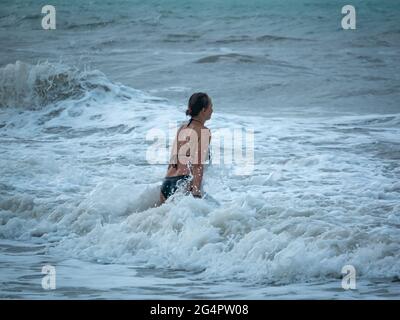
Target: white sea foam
{"points": [[74, 178], [324, 192]]}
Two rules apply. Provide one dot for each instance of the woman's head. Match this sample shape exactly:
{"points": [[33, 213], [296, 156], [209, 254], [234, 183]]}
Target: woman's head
{"points": [[199, 104]]}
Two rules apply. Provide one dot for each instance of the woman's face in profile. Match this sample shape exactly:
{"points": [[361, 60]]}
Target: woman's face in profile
{"points": [[209, 111]]}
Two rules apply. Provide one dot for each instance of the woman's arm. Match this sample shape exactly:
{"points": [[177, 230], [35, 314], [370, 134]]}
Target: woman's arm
{"points": [[197, 172], [198, 165]]}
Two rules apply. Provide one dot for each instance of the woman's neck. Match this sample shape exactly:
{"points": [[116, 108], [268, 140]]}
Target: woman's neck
{"points": [[198, 120]]}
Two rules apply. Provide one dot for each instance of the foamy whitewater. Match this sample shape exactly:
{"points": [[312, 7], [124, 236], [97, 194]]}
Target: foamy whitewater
{"points": [[77, 192]]}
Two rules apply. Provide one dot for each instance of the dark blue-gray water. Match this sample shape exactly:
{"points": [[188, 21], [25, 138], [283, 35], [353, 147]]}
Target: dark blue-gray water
{"points": [[77, 105]]}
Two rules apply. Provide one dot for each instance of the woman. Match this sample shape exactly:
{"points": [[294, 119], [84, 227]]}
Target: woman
{"points": [[190, 150]]}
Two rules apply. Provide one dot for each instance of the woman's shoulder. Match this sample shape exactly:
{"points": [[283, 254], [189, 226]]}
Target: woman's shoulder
{"points": [[206, 129], [203, 129], [198, 128]]}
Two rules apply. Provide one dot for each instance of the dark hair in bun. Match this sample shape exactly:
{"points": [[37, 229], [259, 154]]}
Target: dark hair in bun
{"points": [[197, 102]]}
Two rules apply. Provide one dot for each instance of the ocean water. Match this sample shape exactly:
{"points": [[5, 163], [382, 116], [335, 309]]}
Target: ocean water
{"points": [[77, 191]]}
